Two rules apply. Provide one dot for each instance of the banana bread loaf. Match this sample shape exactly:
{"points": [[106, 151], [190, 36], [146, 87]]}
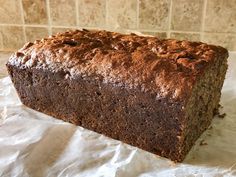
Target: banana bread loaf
{"points": [[158, 95]]}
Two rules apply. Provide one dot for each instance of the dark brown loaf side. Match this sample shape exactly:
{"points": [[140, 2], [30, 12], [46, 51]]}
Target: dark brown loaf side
{"points": [[158, 95]]}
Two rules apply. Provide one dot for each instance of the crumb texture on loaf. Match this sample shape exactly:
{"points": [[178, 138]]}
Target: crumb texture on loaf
{"points": [[158, 95], [126, 60]]}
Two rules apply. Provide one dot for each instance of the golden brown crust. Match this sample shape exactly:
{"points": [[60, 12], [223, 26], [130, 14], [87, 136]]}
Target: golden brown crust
{"points": [[128, 60]]}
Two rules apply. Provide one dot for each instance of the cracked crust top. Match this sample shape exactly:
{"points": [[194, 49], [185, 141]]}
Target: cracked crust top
{"points": [[166, 67]]}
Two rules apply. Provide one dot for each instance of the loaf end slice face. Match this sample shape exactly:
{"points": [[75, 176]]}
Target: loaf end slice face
{"points": [[158, 95]]}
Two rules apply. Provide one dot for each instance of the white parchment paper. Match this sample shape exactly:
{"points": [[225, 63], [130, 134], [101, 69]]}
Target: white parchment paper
{"points": [[34, 144]]}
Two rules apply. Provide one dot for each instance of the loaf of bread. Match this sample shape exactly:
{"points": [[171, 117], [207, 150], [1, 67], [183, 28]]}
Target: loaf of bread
{"points": [[158, 95]]}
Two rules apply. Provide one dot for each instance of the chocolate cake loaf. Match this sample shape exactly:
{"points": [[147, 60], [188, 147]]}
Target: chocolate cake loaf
{"points": [[158, 95]]}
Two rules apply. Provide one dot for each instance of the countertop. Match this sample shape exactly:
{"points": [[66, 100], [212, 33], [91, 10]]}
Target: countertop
{"points": [[3, 59]]}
